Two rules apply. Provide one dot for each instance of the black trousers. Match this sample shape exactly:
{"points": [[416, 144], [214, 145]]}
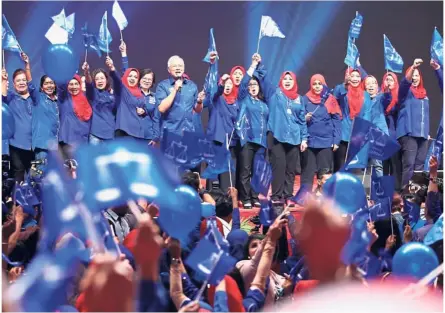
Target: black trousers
{"points": [[66, 150], [414, 151], [224, 178], [245, 160], [20, 162], [393, 167], [340, 156], [284, 158], [120, 133], [314, 160]]}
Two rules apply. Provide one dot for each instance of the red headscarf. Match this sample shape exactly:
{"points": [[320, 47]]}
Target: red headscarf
{"points": [[231, 97], [356, 96], [394, 91], [238, 67], [419, 92], [81, 106], [292, 93], [234, 296], [331, 103], [135, 91]]}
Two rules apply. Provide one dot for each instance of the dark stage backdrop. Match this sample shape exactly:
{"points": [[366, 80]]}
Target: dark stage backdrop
{"points": [[316, 36]]}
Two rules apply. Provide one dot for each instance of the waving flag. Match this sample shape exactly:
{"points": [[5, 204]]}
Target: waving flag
{"points": [[215, 236], [352, 54], [436, 48], [302, 193], [413, 211], [381, 210], [262, 174], [212, 46], [186, 150], [369, 264], [356, 26], [104, 38], [435, 148], [26, 198], [90, 41], [267, 213], [436, 232], [119, 16], [359, 240], [381, 187], [393, 60], [9, 40], [57, 35], [269, 28], [66, 23]]}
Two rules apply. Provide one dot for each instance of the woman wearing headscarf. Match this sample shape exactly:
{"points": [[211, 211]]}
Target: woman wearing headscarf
{"points": [[237, 74], [393, 166], [75, 115], [288, 126], [323, 118], [354, 102], [130, 102], [413, 124], [101, 97], [252, 130], [151, 116]]}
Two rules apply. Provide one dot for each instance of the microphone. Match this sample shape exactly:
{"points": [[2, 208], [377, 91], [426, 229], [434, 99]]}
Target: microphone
{"points": [[180, 78], [39, 162]]}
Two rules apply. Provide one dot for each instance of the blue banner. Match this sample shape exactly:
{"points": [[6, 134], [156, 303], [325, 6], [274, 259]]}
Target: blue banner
{"points": [[393, 60]]}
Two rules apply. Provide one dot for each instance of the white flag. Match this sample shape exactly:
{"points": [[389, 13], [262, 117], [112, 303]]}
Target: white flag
{"points": [[119, 16], [269, 28], [67, 23], [57, 35]]}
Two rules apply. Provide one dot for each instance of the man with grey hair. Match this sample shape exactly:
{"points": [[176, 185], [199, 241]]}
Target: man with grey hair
{"points": [[178, 99]]}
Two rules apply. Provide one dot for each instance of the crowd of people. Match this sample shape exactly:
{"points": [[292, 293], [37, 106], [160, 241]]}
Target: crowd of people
{"points": [[310, 131]]}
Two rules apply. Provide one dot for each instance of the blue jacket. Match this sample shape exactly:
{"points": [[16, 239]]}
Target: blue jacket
{"points": [[341, 94], [22, 111], [127, 118], [150, 120], [103, 103], [439, 75], [180, 116], [72, 130], [379, 103], [45, 119], [324, 128], [414, 115], [5, 146], [286, 120], [252, 118], [391, 119]]}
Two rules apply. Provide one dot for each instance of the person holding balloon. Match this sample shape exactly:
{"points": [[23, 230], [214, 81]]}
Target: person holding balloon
{"points": [[413, 123], [103, 102], [45, 117], [21, 105], [150, 116]]}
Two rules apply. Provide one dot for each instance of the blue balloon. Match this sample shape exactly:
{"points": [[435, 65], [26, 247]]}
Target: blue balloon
{"points": [[8, 124], [207, 210], [347, 191], [179, 221], [60, 63], [414, 259]]}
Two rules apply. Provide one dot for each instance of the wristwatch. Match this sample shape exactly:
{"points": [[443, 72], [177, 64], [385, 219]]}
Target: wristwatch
{"points": [[176, 261]]}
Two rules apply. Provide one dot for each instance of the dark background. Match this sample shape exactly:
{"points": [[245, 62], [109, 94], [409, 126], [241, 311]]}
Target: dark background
{"points": [[316, 36]]}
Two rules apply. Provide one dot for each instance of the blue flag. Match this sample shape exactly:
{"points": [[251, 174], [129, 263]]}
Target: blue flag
{"points": [[121, 170], [215, 236], [244, 128], [302, 193], [370, 264], [381, 210], [90, 41], [267, 213], [9, 40], [381, 187], [393, 60], [219, 165], [436, 48], [46, 283], [413, 211], [210, 262], [436, 232], [104, 38], [356, 26], [359, 240], [352, 54], [212, 46], [27, 199], [187, 150], [435, 148], [357, 142], [262, 174]]}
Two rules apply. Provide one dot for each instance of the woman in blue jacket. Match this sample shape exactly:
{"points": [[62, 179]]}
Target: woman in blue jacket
{"points": [[354, 101], [288, 126], [75, 115], [392, 166], [130, 102], [252, 130], [323, 118], [413, 124], [101, 97], [150, 114], [20, 104]]}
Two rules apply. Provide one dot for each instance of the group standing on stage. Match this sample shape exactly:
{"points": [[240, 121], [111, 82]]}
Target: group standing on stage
{"points": [[312, 128]]}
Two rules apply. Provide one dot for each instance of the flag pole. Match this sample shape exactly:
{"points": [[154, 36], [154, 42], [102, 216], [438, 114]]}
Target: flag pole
{"points": [[3, 59], [122, 37], [106, 35], [86, 54], [228, 149], [364, 175]]}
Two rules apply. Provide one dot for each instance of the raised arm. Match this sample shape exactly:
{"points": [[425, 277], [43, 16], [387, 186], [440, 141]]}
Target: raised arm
{"points": [[243, 87], [439, 73], [176, 292], [25, 59], [123, 50], [406, 82], [363, 73], [117, 83], [266, 85], [88, 81], [4, 86], [211, 87]]}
